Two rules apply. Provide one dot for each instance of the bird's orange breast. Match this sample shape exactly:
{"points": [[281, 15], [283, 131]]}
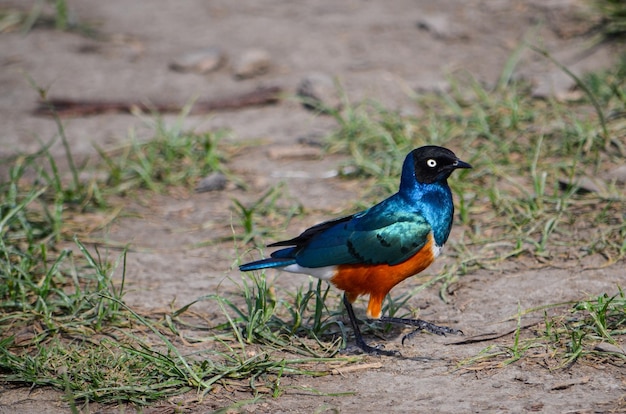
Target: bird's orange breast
{"points": [[378, 280]]}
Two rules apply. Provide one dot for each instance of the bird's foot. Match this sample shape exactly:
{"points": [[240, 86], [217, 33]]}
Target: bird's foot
{"points": [[421, 325]]}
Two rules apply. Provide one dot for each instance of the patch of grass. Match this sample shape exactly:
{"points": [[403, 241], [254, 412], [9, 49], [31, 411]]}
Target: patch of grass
{"points": [[173, 157], [47, 14], [294, 325], [608, 88], [72, 331], [310, 314], [585, 330], [258, 220], [376, 139], [614, 18]]}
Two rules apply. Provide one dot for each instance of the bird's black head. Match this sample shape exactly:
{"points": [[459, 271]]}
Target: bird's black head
{"points": [[432, 163]]}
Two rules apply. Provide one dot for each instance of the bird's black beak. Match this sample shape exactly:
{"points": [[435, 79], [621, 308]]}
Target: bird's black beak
{"points": [[461, 164]]}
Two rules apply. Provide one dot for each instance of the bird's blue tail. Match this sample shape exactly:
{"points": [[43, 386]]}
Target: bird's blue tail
{"points": [[279, 258], [272, 262]]}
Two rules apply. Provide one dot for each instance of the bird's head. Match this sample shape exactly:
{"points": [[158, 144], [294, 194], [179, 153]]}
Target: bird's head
{"points": [[430, 164]]}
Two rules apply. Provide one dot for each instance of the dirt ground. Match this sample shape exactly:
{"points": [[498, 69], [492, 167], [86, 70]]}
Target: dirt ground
{"points": [[380, 50]]}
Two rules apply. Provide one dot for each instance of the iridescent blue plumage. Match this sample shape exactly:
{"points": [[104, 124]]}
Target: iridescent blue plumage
{"points": [[389, 232]]}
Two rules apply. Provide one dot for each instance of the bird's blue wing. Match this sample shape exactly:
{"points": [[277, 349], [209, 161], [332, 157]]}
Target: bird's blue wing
{"points": [[379, 235]]}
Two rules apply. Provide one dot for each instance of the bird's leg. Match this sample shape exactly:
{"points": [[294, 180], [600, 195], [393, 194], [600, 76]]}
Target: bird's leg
{"points": [[421, 326], [357, 332]]}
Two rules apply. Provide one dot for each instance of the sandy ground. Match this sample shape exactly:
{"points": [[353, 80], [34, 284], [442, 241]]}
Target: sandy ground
{"points": [[380, 50]]}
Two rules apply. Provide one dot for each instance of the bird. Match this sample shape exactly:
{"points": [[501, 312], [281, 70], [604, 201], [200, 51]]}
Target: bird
{"points": [[370, 252]]}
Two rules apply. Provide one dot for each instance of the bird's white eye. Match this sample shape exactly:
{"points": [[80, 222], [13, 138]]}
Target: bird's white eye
{"points": [[431, 163]]}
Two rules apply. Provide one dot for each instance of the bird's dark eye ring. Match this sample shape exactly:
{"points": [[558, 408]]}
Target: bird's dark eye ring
{"points": [[431, 163]]}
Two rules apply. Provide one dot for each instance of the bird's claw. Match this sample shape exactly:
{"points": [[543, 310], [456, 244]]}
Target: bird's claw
{"points": [[421, 325], [432, 328]]}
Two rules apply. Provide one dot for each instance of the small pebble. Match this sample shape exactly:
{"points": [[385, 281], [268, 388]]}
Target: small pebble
{"points": [[213, 182], [618, 174], [440, 26], [318, 92], [252, 63], [584, 185], [555, 84], [201, 61], [312, 140], [607, 347]]}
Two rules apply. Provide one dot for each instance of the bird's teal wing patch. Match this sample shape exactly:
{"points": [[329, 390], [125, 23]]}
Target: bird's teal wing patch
{"points": [[373, 237]]}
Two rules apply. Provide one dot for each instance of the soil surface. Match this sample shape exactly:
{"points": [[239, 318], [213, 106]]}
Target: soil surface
{"points": [[386, 51]]}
